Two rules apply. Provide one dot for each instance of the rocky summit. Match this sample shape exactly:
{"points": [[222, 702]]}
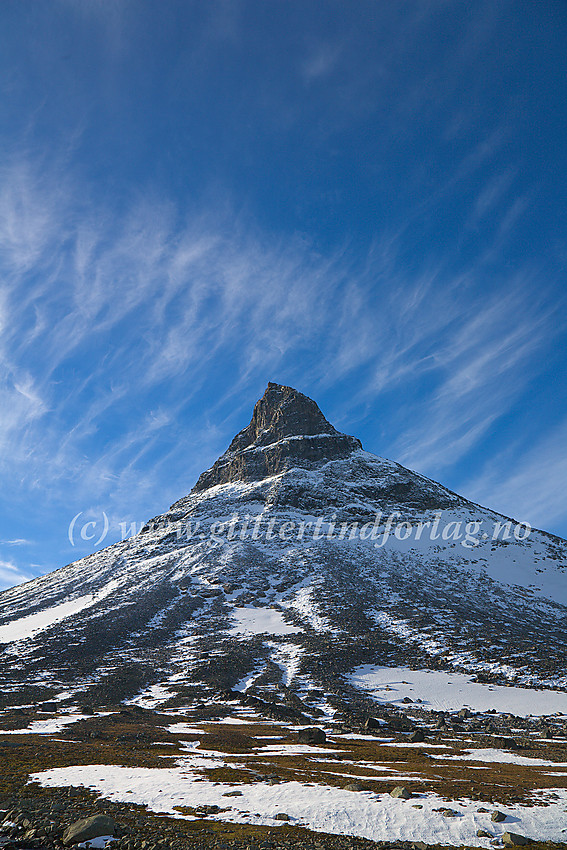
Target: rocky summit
{"points": [[310, 616], [287, 430]]}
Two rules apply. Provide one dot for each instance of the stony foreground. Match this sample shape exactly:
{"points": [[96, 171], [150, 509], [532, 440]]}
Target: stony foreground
{"points": [[241, 750]]}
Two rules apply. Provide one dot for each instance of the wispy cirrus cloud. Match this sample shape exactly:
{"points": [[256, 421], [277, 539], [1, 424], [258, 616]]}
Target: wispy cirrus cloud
{"points": [[484, 364], [529, 487], [18, 541], [117, 325], [10, 574], [101, 312]]}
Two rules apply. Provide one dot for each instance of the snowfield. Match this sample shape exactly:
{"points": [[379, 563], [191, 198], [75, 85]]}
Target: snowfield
{"points": [[492, 756], [440, 691], [375, 816]]}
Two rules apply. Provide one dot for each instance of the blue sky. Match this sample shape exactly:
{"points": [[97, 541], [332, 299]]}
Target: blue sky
{"points": [[363, 200]]}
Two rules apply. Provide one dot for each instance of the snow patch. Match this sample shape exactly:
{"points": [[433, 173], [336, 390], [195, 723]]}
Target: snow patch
{"points": [[441, 691], [29, 626], [259, 621]]}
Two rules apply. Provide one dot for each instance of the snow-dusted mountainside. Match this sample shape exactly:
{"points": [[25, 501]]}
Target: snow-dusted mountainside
{"points": [[281, 574]]}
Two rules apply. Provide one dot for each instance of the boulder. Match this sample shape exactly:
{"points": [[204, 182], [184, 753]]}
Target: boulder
{"points": [[547, 734], [311, 735], [400, 792], [508, 743], [399, 724], [498, 817], [417, 737], [512, 839], [88, 828]]}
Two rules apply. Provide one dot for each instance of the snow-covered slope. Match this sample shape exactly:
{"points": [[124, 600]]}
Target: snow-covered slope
{"points": [[284, 571]]}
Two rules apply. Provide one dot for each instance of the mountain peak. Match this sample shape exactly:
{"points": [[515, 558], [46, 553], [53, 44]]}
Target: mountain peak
{"points": [[287, 429], [282, 412]]}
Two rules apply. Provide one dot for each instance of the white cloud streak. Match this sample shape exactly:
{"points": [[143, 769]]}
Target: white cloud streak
{"points": [[11, 575], [101, 315], [532, 487]]}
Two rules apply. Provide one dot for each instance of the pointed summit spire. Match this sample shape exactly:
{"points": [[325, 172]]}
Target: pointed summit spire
{"points": [[287, 429], [281, 412]]}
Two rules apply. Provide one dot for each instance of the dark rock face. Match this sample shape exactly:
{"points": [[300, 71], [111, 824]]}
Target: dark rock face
{"points": [[312, 735], [287, 429], [281, 412]]}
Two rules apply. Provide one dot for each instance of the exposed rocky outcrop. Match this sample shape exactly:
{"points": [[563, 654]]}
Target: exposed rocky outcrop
{"points": [[287, 429]]}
